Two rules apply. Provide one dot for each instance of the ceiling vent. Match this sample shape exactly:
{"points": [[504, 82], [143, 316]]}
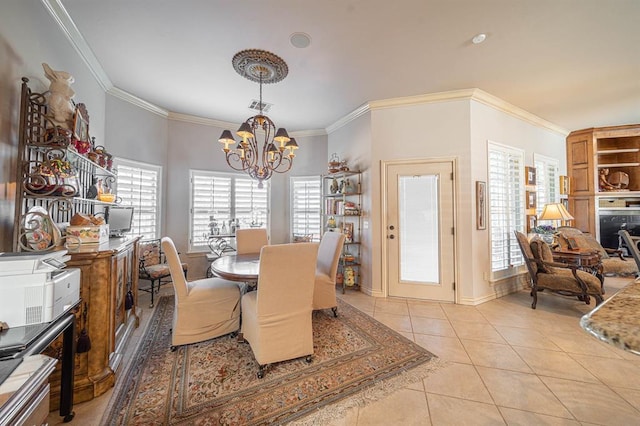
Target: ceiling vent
{"points": [[255, 105]]}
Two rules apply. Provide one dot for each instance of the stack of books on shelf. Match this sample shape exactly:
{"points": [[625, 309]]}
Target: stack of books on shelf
{"points": [[341, 207]]}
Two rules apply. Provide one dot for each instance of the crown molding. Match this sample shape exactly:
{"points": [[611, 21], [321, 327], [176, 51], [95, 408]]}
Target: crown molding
{"points": [[186, 118], [69, 28], [308, 133], [139, 102], [504, 106], [477, 95], [361, 110], [64, 21]]}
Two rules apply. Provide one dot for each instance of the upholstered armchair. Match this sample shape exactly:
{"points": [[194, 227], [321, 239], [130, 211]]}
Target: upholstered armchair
{"points": [[632, 244], [324, 290], [556, 277], [203, 309], [152, 266], [276, 318], [613, 261], [251, 240]]}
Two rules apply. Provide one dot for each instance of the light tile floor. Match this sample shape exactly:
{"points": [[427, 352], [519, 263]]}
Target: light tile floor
{"points": [[507, 364]]}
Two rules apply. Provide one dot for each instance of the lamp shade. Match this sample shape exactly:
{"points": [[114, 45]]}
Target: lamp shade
{"points": [[555, 211], [226, 137]]}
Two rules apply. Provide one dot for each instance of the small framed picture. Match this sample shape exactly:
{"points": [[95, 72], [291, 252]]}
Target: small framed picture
{"points": [[80, 125], [531, 199], [531, 222], [530, 175], [481, 205], [564, 185]]}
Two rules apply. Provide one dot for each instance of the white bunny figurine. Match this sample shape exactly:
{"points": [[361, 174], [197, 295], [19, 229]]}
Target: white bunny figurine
{"points": [[60, 94]]}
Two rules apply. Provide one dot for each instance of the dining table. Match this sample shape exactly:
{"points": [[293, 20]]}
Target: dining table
{"points": [[237, 267]]}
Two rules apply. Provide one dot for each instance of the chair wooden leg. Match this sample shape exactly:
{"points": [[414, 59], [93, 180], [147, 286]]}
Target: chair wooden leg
{"points": [[260, 373], [335, 311], [534, 294]]}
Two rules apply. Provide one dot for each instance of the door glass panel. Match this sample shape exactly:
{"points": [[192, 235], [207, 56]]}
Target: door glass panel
{"points": [[419, 228]]}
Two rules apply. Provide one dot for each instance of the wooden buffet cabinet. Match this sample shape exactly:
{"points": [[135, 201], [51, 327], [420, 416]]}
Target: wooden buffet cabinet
{"points": [[590, 151], [108, 271], [108, 313]]}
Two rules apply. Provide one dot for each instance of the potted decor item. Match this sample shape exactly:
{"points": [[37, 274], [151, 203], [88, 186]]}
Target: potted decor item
{"points": [[53, 177], [334, 163]]}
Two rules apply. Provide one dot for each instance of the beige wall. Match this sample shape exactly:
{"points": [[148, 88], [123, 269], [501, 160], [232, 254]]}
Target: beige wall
{"points": [[455, 129]]}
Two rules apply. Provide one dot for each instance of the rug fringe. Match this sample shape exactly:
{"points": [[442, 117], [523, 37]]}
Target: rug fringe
{"points": [[380, 390]]}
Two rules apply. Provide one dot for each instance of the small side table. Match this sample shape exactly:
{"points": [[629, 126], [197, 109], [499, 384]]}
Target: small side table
{"points": [[586, 260]]}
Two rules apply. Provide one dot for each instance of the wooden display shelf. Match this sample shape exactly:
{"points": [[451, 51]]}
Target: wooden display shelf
{"points": [[608, 166]]}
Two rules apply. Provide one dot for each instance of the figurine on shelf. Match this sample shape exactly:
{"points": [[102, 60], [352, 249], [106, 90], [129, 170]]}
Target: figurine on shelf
{"points": [[60, 94], [334, 186], [92, 192], [349, 276], [604, 182]]}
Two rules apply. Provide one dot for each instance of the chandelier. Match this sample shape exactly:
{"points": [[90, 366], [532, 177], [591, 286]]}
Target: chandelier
{"points": [[259, 154]]}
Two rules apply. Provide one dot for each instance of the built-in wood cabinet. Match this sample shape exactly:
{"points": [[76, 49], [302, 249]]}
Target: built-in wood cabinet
{"points": [[604, 150]]}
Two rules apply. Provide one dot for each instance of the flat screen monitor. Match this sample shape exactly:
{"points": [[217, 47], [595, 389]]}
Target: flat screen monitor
{"points": [[119, 219]]}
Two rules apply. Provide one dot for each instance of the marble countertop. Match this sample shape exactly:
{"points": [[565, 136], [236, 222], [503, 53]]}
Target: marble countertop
{"points": [[617, 320]]}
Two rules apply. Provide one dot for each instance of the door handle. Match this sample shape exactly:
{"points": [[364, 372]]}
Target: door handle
{"points": [[392, 227], [391, 237]]}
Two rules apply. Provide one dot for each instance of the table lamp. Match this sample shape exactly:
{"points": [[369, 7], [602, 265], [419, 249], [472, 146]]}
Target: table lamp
{"points": [[555, 211]]}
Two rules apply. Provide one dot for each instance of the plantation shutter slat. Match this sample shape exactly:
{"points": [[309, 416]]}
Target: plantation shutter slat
{"points": [[138, 185], [306, 205], [221, 197], [506, 206]]}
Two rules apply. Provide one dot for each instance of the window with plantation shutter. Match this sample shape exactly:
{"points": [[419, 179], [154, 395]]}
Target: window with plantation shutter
{"points": [[547, 181], [506, 207], [305, 207], [217, 199], [138, 185]]}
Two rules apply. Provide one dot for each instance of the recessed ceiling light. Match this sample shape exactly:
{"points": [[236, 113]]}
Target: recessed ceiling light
{"points": [[479, 38], [300, 40]]}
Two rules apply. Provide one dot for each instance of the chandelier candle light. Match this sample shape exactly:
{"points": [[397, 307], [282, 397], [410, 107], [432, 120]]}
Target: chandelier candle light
{"points": [[274, 155]]}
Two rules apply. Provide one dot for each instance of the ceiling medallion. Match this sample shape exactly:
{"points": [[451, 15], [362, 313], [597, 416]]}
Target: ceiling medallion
{"points": [[260, 66]]}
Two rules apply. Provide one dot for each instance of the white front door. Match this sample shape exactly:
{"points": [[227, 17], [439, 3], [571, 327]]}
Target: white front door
{"points": [[419, 238]]}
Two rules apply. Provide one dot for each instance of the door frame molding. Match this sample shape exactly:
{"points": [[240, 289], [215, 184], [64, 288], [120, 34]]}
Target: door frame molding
{"points": [[384, 165]]}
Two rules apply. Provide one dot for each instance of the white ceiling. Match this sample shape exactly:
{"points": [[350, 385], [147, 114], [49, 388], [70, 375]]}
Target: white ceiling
{"points": [[575, 63]]}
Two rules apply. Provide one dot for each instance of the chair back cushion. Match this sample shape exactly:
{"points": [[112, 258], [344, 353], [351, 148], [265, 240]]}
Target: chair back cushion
{"points": [[149, 252], [251, 240], [329, 253], [542, 251], [523, 242], [285, 283], [175, 266]]}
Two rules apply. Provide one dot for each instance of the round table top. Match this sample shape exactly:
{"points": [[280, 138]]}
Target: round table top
{"points": [[238, 267]]}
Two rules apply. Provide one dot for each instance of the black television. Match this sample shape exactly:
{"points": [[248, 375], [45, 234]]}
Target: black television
{"points": [[119, 219]]}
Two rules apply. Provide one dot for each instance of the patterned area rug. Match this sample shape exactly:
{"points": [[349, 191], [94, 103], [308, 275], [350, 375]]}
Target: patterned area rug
{"points": [[356, 360]]}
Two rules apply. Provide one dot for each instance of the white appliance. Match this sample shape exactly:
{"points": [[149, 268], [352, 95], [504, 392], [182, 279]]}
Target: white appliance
{"points": [[35, 288]]}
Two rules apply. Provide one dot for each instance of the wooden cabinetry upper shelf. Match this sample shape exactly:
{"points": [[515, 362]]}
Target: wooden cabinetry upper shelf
{"points": [[617, 151]]}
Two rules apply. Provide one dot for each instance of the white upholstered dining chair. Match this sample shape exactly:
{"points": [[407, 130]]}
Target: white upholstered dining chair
{"points": [[276, 318], [204, 308], [251, 240], [324, 291]]}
